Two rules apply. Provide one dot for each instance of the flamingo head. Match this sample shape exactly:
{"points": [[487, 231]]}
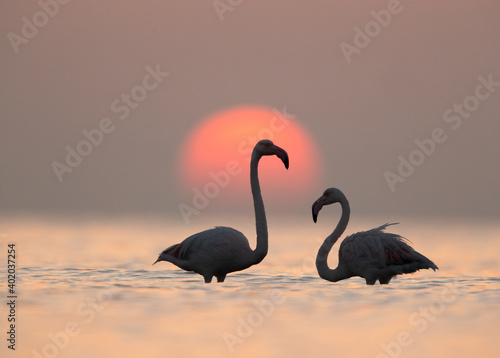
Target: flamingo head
{"points": [[267, 147], [330, 196]]}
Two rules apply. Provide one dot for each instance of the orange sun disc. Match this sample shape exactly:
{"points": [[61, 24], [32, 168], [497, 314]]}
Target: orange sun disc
{"points": [[215, 157]]}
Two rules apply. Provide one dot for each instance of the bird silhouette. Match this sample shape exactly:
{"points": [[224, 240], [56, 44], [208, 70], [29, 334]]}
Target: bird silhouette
{"points": [[373, 254], [221, 250]]}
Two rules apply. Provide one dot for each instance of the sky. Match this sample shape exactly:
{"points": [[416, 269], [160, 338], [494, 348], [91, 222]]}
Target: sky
{"points": [[401, 101]]}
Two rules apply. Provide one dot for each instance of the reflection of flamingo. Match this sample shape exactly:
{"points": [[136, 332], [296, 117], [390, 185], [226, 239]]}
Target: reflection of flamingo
{"points": [[373, 254], [218, 251]]}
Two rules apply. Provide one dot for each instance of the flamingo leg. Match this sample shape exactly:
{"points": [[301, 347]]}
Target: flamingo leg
{"points": [[385, 280], [370, 280]]}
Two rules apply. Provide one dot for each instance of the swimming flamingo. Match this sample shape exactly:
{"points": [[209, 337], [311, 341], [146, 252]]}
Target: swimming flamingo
{"points": [[373, 254], [221, 250]]}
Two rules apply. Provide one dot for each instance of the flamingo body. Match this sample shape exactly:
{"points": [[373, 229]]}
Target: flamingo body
{"points": [[378, 255], [374, 255], [214, 252]]}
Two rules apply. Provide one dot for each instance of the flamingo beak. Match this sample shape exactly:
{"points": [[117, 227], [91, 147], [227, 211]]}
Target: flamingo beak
{"points": [[316, 207], [282, 154]]}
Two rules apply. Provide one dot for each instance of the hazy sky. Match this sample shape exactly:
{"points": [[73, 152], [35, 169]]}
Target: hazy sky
{"points": [[431, 71]]}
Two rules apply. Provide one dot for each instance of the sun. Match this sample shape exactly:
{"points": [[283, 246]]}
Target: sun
{"points": [[214, 158]]}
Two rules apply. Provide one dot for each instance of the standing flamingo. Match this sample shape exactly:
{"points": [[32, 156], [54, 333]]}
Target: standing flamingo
{"points": [[221, 250], [373, 254]]}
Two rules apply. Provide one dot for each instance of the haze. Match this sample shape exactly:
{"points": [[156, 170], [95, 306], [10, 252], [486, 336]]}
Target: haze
{"points": [[366, 110]]}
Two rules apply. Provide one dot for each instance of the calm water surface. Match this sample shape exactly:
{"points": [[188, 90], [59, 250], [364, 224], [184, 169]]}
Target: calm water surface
{"points": [[87, 289]]}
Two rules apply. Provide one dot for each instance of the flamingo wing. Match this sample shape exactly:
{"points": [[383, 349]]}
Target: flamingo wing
{"points": [[363, 249], [210, 243], [182, 250], [375, 249], [398, 252]]}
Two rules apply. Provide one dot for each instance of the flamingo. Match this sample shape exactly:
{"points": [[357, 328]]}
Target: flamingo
{"points": [[373, 254], [221, 250]]}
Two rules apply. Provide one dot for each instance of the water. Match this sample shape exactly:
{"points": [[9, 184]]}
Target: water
{"points": [[87, 289]]}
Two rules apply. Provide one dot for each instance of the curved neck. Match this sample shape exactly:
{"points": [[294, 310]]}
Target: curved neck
{"points": [[260, 215], [322, 259]]}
